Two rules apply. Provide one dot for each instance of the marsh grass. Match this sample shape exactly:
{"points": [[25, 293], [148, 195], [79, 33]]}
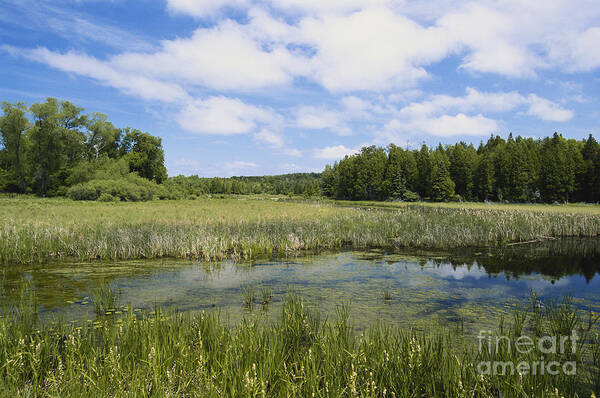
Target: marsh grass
{"points": [[248, 296], [166, 353], [266, 294], [38, 230], [105, 298], [386, 293]]}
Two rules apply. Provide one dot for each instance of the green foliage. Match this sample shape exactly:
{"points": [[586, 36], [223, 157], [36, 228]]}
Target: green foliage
{"points": [[37, 230], [305, 184], [514, 170], [166, 353], [131, 188], [61, 151], [144, 154], [4, 179]]}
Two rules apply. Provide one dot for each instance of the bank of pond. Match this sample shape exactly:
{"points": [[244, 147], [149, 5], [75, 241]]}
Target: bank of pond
{"points": [[341, 323]]}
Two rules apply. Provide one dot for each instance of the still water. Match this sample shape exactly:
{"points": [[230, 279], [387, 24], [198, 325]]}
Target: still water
{"points": [[473, 288]]}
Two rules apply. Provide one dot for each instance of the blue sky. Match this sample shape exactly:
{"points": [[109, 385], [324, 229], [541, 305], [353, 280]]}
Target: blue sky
{"points": [[243, 87]]}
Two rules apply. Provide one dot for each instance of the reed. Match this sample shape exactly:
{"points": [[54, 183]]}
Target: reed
{"points": [[105, 298], [42, 230], [248, 295], [183, 354]]}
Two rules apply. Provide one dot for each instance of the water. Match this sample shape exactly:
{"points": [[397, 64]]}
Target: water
{"points": [[471, 288]]}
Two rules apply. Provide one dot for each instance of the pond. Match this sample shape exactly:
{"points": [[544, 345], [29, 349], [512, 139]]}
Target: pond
{"points": [[470, 287]]}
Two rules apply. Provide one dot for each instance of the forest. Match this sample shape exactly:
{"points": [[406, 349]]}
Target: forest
{"points": [[552, 169], [55, 149]]}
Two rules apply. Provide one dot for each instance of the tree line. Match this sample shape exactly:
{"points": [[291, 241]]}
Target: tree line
{"points": [[552, 169], [53, 148]]}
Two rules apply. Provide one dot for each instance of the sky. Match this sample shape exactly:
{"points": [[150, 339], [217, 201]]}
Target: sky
{"points": [[244, 87]]}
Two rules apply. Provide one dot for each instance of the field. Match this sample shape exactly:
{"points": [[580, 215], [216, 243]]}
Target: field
{"points": [[41, 230]]}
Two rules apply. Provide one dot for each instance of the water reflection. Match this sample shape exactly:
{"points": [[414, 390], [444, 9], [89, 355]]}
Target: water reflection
{"points": [[473, 285]]}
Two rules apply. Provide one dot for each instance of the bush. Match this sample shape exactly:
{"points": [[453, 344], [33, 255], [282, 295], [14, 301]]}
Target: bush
{"points": [[3, 179], [82, 192], [410, 196], [106, 197], [131, 189]]}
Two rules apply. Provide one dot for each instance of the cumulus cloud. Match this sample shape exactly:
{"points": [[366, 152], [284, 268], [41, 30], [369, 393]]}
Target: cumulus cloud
{"points": [[479, 101], [202, 8], [547, 110], [317, 118], [441, 126], [334, 152], [224, 57], [223, 116], [130, 83]]}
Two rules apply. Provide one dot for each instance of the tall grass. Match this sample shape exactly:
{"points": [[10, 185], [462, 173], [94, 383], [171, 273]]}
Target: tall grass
{"points": [[105, 298], [179, 354], [43, 230]]}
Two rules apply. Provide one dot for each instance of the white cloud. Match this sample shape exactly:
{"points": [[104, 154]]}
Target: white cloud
{"points": [[442, 126], [477, 101], [202, 8], [317, 118], [223, 116], [370, 50], [271, 138], [293, 152], [334, 152], [224, 57], [239, 165], [548, 110], [130, 83]]}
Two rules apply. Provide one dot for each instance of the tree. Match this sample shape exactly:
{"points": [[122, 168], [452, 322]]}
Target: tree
{"points": [[13, 125], [101, 138], [484, 176], [329, 181], [463, 160], [442, 187], [589, 180], [145, 155], [400, 174], [557, 177], [46, 144], [424, 167]]}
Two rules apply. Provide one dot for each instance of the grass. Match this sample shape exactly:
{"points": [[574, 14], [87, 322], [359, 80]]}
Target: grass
{"points": [[181, 354], [248, 295], [387, 292], [41, 230], [105, 298]]}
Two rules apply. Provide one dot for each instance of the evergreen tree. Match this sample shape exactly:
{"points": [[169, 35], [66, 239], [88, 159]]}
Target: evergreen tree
{"points": [[424, 166], [442, 187], [463, 161], [589, 181]]}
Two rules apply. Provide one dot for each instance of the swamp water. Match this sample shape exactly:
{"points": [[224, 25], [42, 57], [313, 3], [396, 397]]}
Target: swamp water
{"points": [[469, 289]]}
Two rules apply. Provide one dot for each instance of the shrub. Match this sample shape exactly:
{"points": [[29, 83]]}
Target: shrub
{"points": [[106, 197], [131, 188], [410, 196]]}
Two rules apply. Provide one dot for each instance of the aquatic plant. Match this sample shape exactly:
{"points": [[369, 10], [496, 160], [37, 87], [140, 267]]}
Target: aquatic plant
{"points": [[105, 298], [387, 292], [266, 294], [37, 230], [248, 295], [166, 353]]}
